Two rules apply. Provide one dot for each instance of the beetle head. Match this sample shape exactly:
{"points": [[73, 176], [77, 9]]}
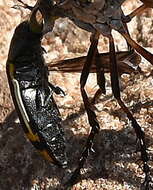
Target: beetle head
{"points": [[26, 38]]}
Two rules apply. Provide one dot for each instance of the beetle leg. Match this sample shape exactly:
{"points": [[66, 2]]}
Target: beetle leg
{"points": [[55, 89], [116, 92]]}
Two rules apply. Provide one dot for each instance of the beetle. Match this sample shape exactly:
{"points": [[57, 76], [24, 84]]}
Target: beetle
{"points": [[32, 94]]}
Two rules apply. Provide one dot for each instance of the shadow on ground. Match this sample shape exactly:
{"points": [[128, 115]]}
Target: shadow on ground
{"points": [[22, 168]]}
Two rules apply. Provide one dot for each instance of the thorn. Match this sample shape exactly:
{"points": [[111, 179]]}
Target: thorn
{"points": [[18, 7], [59, 91], [44, 50], [26, 6]]}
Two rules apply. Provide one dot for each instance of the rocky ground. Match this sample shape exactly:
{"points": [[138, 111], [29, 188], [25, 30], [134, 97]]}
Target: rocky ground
{"points": [[115, 164]]}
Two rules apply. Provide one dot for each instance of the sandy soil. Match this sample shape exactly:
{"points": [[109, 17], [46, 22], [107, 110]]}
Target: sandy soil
{"points": [[115, 164]]}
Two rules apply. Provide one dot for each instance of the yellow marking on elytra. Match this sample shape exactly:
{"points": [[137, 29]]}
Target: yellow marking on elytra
{"points": [[33, 137], [11, 70], [21, 106], [45, 154]]}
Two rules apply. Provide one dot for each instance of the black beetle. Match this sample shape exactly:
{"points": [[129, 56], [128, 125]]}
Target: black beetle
{"points": [[32, 94]]}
